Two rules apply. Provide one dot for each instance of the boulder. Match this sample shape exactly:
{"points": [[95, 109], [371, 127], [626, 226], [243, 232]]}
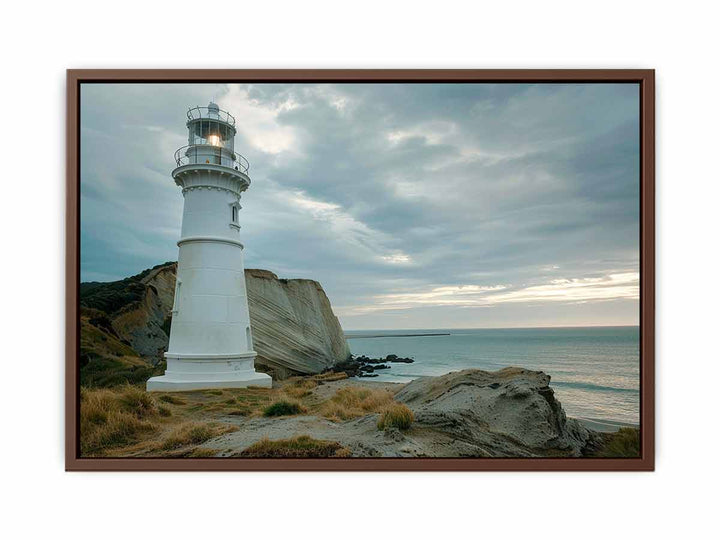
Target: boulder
{"points": [[508, 413]]}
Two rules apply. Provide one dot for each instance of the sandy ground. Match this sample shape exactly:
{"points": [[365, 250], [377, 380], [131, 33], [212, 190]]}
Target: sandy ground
{"points": [[328, 389], [361, 435], [355, 434]]}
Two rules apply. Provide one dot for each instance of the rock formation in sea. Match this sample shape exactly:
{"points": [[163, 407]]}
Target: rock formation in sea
{"points": [[294, 328]]}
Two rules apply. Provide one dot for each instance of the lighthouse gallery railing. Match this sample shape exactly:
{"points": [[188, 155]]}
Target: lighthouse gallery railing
{"points": [[213, 114], [204, 153]]}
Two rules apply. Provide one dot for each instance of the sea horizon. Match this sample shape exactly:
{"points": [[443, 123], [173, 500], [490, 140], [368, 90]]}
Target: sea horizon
{"points": [[594, 370], [490, 328]]}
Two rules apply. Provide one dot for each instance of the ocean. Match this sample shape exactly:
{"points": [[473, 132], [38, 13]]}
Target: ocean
{"points": [[595, 371]]}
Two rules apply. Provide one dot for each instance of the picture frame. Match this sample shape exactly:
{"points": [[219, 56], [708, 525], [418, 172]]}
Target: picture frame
{"points": [[645, 78]]}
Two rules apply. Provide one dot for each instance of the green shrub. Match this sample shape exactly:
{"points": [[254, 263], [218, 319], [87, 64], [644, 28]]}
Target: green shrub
{"points": [[283, 408], [113, 296], [166, 398], [623, 443]]}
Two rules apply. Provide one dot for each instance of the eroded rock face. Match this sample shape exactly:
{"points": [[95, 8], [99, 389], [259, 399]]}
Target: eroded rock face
{"points": [[508, 413], [145, 324], [294, 329]]}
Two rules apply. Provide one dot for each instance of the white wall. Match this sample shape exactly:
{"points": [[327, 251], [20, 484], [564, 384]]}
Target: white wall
{"points": [[676, 500]]}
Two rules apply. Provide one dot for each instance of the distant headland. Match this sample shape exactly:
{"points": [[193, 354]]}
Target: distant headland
{"points": [[350, 335]]}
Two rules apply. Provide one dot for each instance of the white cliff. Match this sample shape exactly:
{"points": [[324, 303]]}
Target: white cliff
{"points": [[294, 329]]}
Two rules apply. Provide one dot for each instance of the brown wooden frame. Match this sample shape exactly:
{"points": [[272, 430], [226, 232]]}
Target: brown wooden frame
{"points": [[646, 80]]}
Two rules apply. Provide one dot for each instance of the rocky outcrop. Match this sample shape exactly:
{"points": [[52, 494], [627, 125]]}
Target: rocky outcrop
{"points": [[293, 326], [145, 324], [511, 412], [363, 366]]}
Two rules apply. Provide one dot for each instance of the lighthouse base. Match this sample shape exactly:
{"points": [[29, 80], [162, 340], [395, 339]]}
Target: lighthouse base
{"points": [[199, 372]]}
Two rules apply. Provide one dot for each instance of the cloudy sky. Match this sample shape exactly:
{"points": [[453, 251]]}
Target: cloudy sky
{"points": [[415, 206]]}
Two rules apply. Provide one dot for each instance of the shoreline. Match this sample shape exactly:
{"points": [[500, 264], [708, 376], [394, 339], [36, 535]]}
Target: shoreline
{"points": [[604, 426], [590, 388]]}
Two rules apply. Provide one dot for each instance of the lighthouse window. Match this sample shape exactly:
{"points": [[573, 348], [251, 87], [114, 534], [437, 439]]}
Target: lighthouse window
{"points": [[234, 214]]}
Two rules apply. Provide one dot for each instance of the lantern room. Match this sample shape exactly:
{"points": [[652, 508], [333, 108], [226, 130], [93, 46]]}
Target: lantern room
{"points": [[211, 126], [211, 139]]}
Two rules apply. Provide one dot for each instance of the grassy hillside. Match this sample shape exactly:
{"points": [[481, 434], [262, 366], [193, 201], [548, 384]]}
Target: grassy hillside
{"points": [[112, 296], [104, 359]]}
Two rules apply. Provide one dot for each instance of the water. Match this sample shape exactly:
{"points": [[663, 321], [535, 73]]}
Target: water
{"points": [[595, 371]]}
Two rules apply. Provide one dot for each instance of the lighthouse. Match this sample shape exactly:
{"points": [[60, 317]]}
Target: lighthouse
{"points": [[210, 334]]}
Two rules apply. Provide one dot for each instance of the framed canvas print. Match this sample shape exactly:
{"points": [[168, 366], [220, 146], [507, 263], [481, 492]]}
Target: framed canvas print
{"points": [[360, 270]]}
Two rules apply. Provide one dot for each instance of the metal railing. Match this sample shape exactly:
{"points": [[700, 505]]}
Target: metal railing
{"points": [[196, 113], [207, 154]]}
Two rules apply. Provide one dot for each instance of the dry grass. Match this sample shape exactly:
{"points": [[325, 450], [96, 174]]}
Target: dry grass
{"points": [[302, 446], [193, 433], [351, 402], [203, 453], [129, 421], [299, 388], [169, 398], [137, 401], [233, 402], [111, 418], [331, 376], [126, 421], [164, 411], [396, 415]]}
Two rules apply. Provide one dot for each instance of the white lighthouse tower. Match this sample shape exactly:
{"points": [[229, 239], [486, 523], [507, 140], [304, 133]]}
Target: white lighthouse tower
{"points": [[210, 336]]}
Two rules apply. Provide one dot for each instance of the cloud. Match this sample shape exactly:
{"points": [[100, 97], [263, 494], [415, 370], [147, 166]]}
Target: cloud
{"points": [[258, 122], [411, 204], [575, 290], [341, 227]]}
